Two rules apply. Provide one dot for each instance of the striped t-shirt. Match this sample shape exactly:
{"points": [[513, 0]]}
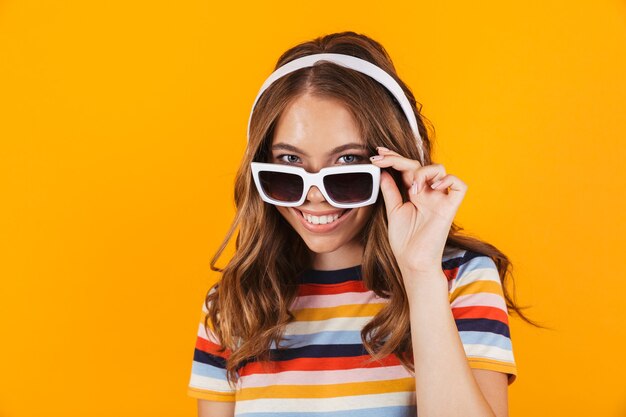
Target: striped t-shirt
{"points": [[322, 372]]}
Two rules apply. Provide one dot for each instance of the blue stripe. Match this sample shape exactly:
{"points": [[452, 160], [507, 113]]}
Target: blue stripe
{"points": [[319, 351], [209, 359], [346, 337], [338, 276], [354, 338], [203, 369], [476, 261], [482, 325], [469, 261], [485, 338], [314, 351], [395, 411]]}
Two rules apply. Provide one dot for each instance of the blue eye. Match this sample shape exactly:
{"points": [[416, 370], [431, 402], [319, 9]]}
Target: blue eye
{"points": [[291, 159], [351, 158]]}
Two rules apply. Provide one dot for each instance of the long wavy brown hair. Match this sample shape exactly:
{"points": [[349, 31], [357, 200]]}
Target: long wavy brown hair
{"points": [[248, 308]]}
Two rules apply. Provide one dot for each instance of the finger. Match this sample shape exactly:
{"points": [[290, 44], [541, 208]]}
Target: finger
{"points": [[391, 194], [385, 151], [442, 183], [427, 175], [451, 181], [457, 188], [405, 165]]}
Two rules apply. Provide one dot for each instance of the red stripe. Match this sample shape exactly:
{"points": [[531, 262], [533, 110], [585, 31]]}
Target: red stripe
{"points": [[316, 364], [210, 347], [351, 286], [480, 312], [329, 289], [451, 273]]}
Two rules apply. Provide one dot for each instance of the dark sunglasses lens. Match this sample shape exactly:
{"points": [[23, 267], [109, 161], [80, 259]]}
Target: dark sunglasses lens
{"points": [[351, 187], [282, 186]]}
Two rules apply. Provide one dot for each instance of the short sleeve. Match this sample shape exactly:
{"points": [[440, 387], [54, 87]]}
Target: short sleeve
{"points": [[208, 369], [481, 315]]}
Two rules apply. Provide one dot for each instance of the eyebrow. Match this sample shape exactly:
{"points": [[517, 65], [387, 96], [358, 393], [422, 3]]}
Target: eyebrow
{"points": [[284, 146]]}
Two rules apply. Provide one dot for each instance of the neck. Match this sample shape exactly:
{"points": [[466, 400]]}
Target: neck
{"points": [[344, 257]]}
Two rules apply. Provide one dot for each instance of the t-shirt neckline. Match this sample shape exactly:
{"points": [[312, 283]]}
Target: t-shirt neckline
{"points": [[336, 276]]}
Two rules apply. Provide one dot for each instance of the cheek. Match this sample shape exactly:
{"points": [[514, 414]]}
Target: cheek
{"points": [[284, 211], [358, 222], [364, 214]]}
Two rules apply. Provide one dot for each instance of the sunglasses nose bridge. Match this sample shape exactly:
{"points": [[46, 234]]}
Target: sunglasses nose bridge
{"points": [[315, 191], [314, 194]]}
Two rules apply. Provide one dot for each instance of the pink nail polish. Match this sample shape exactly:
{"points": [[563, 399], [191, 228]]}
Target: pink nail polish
{"points": [[377, 157]]}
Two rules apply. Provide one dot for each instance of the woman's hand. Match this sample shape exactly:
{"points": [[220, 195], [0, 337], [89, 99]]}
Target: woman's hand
{"points": [[418, 229]]}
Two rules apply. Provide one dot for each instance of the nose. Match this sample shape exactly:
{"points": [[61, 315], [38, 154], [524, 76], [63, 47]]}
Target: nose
{"points": [[314, 195]]}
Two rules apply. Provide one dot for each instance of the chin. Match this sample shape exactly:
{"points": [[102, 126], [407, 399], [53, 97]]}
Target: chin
{"points": [[323, 245]]}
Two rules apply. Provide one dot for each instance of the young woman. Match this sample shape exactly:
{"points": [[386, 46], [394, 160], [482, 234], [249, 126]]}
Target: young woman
{"points": [[340, 300]]}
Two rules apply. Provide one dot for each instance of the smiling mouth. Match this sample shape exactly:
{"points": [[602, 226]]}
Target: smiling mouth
{"points": [[326, 219]]}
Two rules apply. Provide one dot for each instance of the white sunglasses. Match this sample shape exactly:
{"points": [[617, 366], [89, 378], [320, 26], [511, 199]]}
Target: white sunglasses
{"points": [[345, 186]]}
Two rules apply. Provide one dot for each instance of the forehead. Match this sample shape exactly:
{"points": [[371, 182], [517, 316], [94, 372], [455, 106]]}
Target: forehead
{"points": [[316, 123]]}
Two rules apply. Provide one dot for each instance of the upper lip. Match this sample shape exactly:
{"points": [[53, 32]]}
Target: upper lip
{"points": [[322, 213]]}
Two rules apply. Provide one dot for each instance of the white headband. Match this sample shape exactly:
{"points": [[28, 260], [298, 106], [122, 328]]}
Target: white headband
{"points": [[356, 64]]}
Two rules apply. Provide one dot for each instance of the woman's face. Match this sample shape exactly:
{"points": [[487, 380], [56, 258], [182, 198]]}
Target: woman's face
{"points": [[314, 133]]}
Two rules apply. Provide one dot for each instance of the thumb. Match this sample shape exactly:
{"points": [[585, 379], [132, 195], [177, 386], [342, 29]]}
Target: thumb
{"points": [[390, 191]]}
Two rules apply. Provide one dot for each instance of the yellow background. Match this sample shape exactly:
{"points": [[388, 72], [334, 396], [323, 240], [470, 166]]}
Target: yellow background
{"points": [[122, 124]]}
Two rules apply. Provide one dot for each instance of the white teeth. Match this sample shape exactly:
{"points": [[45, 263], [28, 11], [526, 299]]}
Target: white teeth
{"points": [[321, 219]]}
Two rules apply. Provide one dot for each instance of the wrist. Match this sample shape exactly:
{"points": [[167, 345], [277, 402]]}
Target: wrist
{"points": [[425, 270], [421, 280]]}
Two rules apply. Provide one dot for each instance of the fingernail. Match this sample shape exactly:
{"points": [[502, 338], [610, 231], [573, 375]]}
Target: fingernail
{"points": [[414, 188], [382, 148], [435, 184], [377, 157]]}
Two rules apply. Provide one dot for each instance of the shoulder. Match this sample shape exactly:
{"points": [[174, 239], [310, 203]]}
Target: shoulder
{"points": [[459, 263], [464, 267]]}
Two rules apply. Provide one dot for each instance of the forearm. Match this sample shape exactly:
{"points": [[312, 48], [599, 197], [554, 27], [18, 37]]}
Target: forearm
{"points": [[445, 385]]}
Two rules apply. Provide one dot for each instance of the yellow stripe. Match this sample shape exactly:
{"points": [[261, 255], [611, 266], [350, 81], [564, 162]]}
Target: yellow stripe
{"points": [[210, 395], [327, 391], [492, 365], [476, 287], [350, 310]]}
